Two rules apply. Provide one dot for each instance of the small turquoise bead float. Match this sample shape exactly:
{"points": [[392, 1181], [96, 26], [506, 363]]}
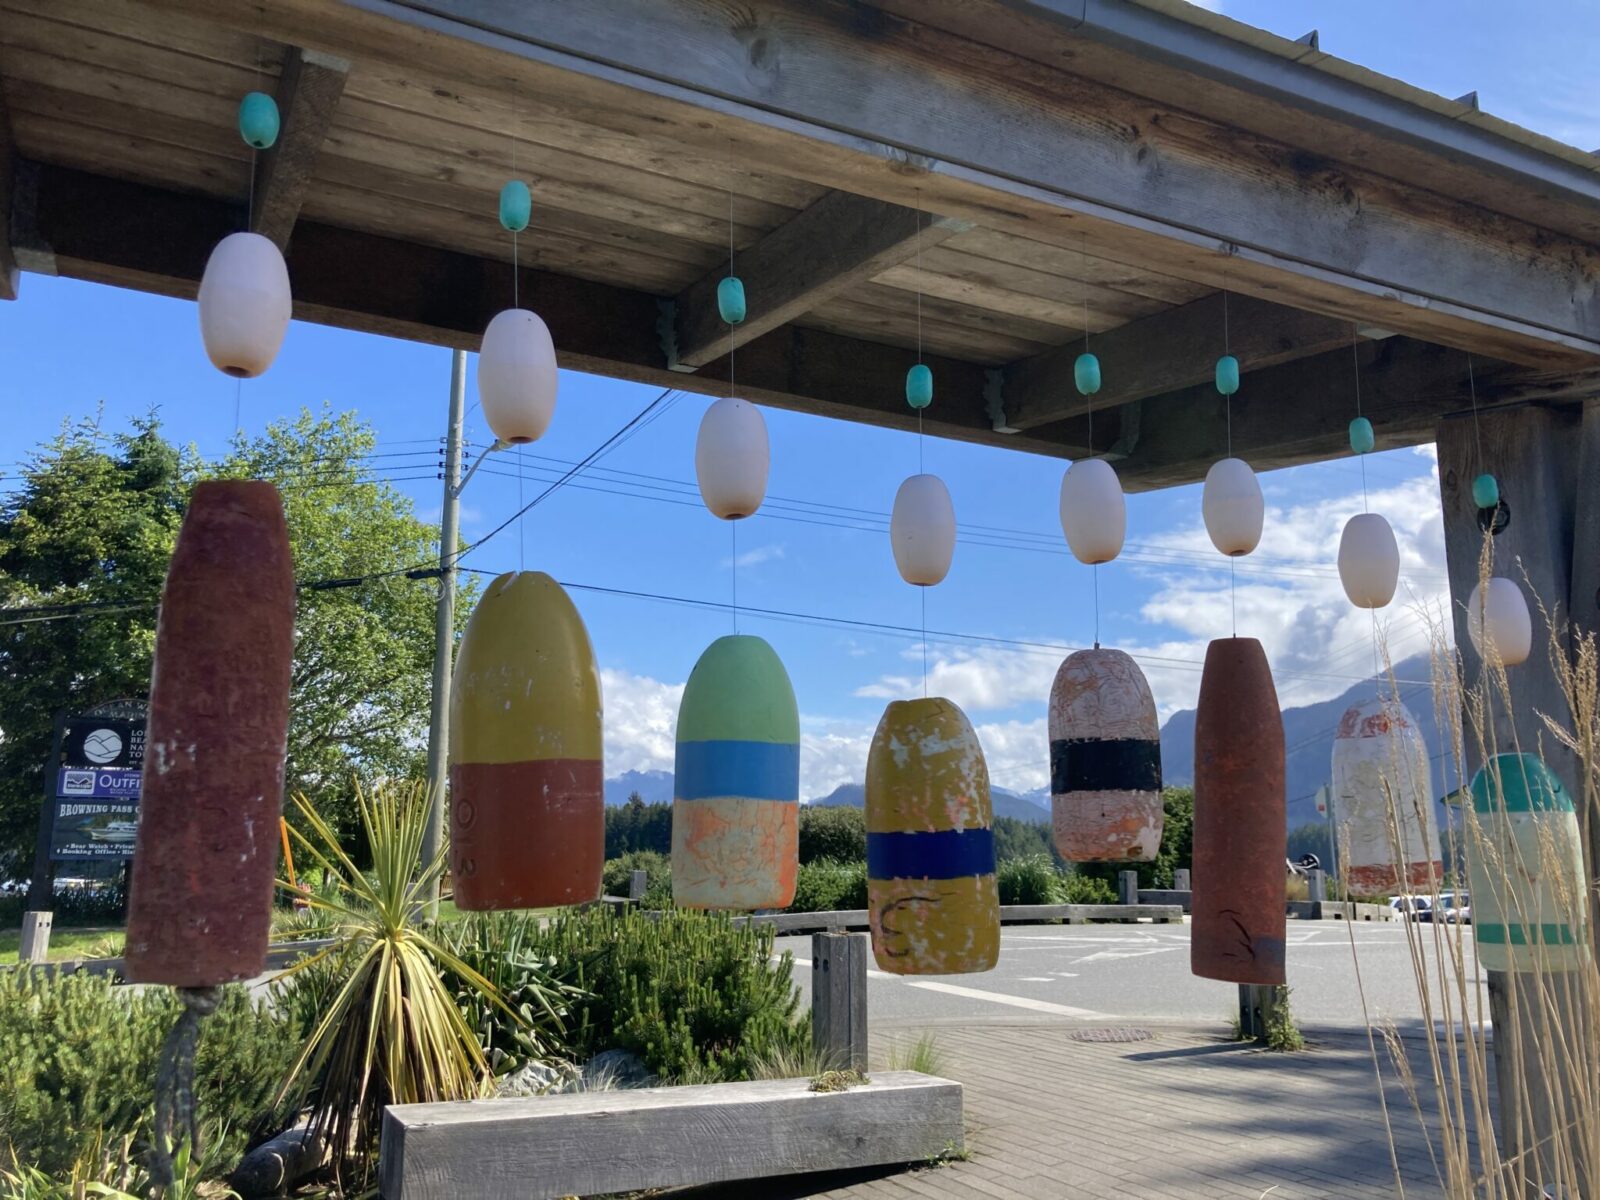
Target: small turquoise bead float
{"points": [[730, 300], [919, 386], [516, 206], [1362, 439], [258, 120], [1486, 491], [1086, 374], [1227, 374]]}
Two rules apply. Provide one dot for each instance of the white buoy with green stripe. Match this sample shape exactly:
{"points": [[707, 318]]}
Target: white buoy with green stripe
{"points": [[1525, 864]]}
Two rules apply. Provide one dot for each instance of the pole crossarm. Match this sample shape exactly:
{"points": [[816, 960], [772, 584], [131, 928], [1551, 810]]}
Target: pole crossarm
{"points": [[308, 92], [840, 241]]}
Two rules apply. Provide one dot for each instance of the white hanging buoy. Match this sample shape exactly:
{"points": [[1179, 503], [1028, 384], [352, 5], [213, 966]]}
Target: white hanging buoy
{"points": [[922, 530], [517, 376], [731, 457], [1369, 561], [244, 304], [1094, 512], [1232, 506], [1498, 622]]}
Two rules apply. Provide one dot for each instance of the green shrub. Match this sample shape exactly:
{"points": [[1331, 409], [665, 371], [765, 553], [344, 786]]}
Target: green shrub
{"points": [[828, 885], [105, 904], [839, 834], [1086, 889], [78, 1059], [694, 996], [658, 876], [1031, 879]]}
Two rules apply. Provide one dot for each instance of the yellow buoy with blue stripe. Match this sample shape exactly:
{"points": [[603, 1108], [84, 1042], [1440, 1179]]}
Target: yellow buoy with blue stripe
{"points": [[736, 787], [527, 808], [1525, 865], [932, 900]]}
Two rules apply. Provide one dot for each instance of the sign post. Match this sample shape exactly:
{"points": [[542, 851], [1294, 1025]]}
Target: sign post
{"points": [[90, 810]]}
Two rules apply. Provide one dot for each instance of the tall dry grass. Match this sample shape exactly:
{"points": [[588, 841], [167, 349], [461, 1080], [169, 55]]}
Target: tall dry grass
{"points": [[1522, 1118]]}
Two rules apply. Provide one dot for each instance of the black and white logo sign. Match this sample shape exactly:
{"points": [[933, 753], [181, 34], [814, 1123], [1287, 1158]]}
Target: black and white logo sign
{"points": [[101, 746]]}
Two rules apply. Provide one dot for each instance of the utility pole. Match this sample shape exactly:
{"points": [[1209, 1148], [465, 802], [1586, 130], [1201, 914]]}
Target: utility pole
{"points": [[445, 623]]}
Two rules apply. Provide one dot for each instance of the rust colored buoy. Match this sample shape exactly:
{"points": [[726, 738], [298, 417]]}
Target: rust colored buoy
{"points": [[1105, 760], [1240, 881], [527, 810], [200, 902]]}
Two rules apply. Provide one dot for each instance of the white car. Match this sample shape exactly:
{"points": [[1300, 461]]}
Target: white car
{"points": [[1454, 908], [1413, 908]]}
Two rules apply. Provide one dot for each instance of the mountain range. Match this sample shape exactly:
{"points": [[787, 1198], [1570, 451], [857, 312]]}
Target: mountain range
{"points": [[1308, 734]]}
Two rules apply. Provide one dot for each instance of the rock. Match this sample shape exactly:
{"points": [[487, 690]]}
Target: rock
{"points": [[536, 1079], [273, 1166], [614, 1070]]}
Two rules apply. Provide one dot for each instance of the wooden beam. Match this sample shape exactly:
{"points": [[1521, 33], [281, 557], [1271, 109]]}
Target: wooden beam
{"points": [[1300, 412], [308, 92], [840, 241], [132, 235], [1166, 351], [858, 99], [10, 273]]}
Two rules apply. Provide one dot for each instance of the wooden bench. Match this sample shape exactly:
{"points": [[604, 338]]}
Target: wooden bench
{"points": [[599, 1142]]}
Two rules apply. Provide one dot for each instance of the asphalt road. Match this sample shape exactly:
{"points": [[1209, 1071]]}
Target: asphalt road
{"points": [[1141, 972]]}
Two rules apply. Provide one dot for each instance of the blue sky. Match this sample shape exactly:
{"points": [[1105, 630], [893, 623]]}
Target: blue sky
{"points": [[635, 522]]}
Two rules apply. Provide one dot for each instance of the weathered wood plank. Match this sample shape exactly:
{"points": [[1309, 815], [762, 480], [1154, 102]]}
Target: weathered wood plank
{"points": [[837, 243], [133, 235], [1300, 412], [308, 92], [1167, 351], [10, 274], [599, 1142], [1584, 605], [1033, 149]]}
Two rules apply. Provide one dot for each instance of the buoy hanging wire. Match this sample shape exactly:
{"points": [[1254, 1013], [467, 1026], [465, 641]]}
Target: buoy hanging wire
{"points": [[1083, 266], [1227, 409], [729, 316]]}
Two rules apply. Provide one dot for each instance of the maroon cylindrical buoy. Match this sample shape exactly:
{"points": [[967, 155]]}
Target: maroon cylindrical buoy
{"points": [[200, 903], [1240, 881]]}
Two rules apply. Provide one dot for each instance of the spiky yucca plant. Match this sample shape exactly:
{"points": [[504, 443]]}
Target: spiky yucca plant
{"points": [[387, 1029]]}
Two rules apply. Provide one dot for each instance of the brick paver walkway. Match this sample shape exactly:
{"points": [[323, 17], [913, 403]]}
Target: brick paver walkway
{"points": [[1182, 1116]]}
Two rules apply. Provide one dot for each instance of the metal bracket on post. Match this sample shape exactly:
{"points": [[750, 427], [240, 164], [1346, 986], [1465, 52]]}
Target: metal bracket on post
{"points": [[994, 404], [667, 334], [455, 492]]}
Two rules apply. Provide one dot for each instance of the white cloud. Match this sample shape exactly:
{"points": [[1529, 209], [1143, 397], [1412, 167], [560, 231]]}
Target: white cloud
{"points": [[755, 557], [641, 722]]}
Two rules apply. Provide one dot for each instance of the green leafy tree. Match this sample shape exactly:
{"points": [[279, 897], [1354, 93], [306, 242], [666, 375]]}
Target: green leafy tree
{"points": [[837, 834], [363, 654], [636, 826], [94, 523], [1014, 838]]}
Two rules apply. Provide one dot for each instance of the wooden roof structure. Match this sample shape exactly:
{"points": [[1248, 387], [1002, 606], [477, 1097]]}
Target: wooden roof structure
{"points": [[990, 179]]}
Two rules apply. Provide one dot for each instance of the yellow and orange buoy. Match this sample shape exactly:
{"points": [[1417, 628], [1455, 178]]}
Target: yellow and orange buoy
{"points": [[527, 808], [932, 901], [200, 905], [1240, 897], [1105, 760], [736, 786]]}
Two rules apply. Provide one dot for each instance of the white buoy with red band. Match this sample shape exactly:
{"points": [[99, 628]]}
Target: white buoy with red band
{"points": [[1383, 801]]}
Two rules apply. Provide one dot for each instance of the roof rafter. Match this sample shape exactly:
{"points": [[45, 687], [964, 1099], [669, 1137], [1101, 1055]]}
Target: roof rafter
{"points": [[838, 242], [308, 92], [10, 274], [1164, 352]]}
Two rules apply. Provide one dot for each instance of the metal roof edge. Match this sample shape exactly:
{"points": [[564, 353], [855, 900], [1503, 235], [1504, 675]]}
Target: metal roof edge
{"points": [[1194, 39]]}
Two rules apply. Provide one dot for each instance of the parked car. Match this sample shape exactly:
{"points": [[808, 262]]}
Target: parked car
{"points": [[1412, 908], [1453, 908]]}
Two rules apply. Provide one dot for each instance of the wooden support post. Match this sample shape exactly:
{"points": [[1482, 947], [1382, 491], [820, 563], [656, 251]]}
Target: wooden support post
{"points": [[35, 946], [308, 92], [10, 275], [1536, 454], [638, 882], [1180, 880], [1316, 885], [839, 999]]}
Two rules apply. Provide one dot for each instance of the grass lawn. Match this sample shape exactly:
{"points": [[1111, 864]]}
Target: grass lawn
{"points": [[64, 943]]}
